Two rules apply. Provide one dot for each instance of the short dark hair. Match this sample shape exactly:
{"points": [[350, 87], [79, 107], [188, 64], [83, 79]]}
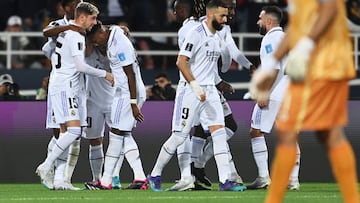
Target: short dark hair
{"points": [[275, 11], [215, 4], [66, 2], [199, 8], [187, 3], [86, 8], [162, 75]]}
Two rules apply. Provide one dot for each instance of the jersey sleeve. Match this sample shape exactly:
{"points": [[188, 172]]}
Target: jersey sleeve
{"points": [[270, 45], [190, 44], [122, 49], [77, 43]]}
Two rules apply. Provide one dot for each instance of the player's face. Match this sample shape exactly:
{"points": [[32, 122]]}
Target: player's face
{"points": [[100, 37], [90, 21], [231, 5], [179, 12], [70, 9], [219, 18], [262, 23]]}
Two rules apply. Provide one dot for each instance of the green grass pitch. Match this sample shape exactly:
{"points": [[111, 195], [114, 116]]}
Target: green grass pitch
{"points": [[309, 192]]}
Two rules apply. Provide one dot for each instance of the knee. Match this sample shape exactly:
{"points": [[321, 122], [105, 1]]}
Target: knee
{"points": [[96, 141], [255, 133], [199, 132], [230, 123]]}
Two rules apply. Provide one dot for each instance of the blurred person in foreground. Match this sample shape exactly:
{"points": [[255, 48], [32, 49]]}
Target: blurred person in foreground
{"points": [[320, 65], [162, 89]]}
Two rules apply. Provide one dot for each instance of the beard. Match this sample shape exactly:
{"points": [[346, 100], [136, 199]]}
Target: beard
{"points": [[262, 30], [217, 26]]}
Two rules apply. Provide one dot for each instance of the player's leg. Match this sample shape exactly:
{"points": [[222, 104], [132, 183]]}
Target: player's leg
{"points": [[212, 116], [294, 183], [198, 142], [132, 155], [116, 184], [231, 127], [67, 114], [168, 149], [259, 150], [283, 163], [74, 148], [116, 142], [186, 181], [185, 109], [342, 160], [94, 133], [121, 117]]}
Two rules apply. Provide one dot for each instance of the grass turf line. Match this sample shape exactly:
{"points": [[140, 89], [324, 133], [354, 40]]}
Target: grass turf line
{"points": [[309, 192]]}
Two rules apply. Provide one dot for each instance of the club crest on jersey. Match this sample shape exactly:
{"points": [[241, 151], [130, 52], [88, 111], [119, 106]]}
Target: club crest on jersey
{"points": [[268, 48], [189, 47], [73, 113], [183, 123], [121, 56], [80, 46]]}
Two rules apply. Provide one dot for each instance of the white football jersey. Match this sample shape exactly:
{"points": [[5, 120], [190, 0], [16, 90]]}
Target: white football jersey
{"points": [[235, 53], [68, 45], [99, 90], [187, 25], [269, 44], [49, 46], [203, 50], [122, 53]]}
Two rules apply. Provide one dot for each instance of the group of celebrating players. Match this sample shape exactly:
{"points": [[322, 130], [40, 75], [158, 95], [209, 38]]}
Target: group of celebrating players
{"points": [[80, 101]]}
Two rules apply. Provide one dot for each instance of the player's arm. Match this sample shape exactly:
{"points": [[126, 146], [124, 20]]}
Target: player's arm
{"points": [[52, 31], [83, 67], [236, 54], [129, 71], [326, 15], [182, 64]]}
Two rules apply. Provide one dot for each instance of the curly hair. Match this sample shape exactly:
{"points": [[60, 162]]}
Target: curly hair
{"points": [[200, 8]]}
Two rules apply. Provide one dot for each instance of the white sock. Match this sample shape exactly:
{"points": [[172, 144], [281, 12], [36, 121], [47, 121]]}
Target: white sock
{"points": [[96, 159], [229, 133], [184, 158], [73, 156], [60, 164], [197, 147], [233, 172], [207, 154], [260, 153], [221, 154], [62, 144], [167, 151], [51, 144], [116, 143], [295, 172], [133, 157], [119, 164]]}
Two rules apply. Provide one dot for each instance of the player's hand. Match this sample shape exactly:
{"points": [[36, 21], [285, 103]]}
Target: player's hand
{"points": [[225, 87], [126, 30], [198, 91], [110, 77], [77, 29], [298, 59], [137, 113], [261, 83], [252, 69], [263, 104]]}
